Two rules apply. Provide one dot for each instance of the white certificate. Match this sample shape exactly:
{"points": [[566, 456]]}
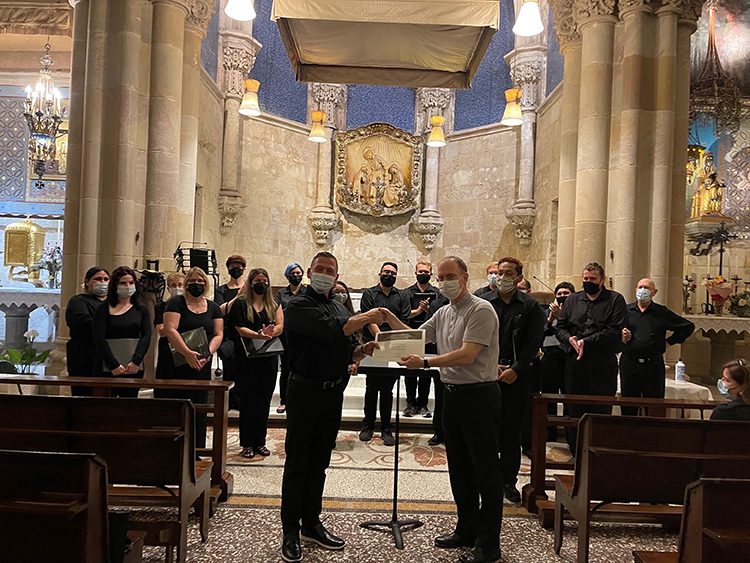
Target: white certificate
{"points": [[396, 344]]}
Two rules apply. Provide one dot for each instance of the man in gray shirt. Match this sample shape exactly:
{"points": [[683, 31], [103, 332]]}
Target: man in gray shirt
{"points": [[466, 334]]}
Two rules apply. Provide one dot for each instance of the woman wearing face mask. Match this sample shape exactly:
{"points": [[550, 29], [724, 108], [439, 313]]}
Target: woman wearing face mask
{"points": [[227, 293], [175, 287], [79, 315], [255, 316], [123, 316], [293, 274], [340, 293], [733, 385], [186, 312]]}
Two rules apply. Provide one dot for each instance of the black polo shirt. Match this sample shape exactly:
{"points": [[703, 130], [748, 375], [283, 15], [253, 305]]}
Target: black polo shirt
{"points": [[224, 294], [650, 328], [284, 296], [482, 291], [417, 320], [317, 347], [396, 302], [521, 329], [599, 323]]}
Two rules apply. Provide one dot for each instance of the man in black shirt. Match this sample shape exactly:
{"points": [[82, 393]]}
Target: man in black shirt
{"points": [[321, 348], [416, 402], [387, 296], [521, 334], [492, 277], [644, 343], [589, 330]]}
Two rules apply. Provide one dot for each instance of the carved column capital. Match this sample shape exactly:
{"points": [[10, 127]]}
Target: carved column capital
{"points": [[237, 59], [565, 22], [199, 15], [586, 11], [323, 221], [428, 226], [229, 208], [523, 220], [331, 99], [431, 102], [527, 77]]}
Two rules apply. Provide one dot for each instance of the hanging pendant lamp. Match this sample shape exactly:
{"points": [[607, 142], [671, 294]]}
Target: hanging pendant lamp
{"points": [[240, 10], [318, 132], [512, 114], [529, 20]]}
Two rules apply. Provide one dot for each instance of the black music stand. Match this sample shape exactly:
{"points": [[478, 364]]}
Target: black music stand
{"points": [[395, 526]]}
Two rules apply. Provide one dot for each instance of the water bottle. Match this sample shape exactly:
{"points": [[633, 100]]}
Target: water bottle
{"points": [[679, 371]]}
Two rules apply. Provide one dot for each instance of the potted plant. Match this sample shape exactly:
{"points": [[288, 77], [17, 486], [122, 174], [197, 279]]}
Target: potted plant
{"points": [[740, 304], [27, 358], [719, 289]]}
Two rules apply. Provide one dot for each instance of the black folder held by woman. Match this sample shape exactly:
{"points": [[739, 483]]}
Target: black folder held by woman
{"points": [[197, 341]]}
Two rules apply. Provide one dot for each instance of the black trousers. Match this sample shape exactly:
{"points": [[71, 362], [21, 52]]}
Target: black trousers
{"points": [[196, 397], [229, 365], [638, 379], [312, 422], [383, 386], [591, 375], [417, 391], [437, 416], [514, 400], [471, 422], [283, 378], [536, 387], [553, 380], [256, 380]]}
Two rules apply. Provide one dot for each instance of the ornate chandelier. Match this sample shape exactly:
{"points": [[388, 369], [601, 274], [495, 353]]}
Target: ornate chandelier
{"points": [[44, 114], [714, 92]]}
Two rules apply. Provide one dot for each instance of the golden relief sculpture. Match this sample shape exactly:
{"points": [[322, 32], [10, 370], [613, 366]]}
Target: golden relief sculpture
{"points": [[24, 244], [378, 170], [708, 198]]}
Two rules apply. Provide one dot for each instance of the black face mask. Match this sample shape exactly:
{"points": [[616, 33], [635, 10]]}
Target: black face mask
{"points": [[260, 288], [561, 300], [295, 279], [423, 278], [591, 288], [387, 280], [236, 273], [196, 289]]}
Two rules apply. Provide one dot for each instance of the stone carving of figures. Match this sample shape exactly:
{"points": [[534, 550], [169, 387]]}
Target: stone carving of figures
{"points": [[360, 184], [396, 186], [377, 176]]}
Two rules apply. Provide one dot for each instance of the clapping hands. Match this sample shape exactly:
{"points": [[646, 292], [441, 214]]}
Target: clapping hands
{"points": [[266, 333]]}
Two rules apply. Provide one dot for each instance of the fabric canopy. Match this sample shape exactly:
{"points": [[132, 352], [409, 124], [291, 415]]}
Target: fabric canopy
{"points": [[416, 43]]}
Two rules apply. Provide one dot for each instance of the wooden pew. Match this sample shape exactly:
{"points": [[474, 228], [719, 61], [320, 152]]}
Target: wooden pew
{"points": [[221, 480], [715, 526], [53, 507], [148, 444], [645, 460]]}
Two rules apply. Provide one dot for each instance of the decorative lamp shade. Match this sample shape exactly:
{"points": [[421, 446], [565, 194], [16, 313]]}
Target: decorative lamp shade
{"points": [[249, 105], [240, 10], [437, 136], [529, 22], [318, 132], [512, 114]]}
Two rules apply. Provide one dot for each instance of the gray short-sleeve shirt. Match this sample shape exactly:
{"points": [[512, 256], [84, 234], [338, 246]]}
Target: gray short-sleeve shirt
{"points": [[474, 320]]}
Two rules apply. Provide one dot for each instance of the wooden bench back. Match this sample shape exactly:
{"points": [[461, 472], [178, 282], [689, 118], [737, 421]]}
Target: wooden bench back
{"points": [[624, 459], [53, 507]]}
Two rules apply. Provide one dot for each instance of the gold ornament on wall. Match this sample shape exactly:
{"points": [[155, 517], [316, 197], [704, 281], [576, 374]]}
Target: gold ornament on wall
{"points": [[24, 244]]}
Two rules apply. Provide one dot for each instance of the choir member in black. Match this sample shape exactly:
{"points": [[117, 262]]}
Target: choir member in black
{"points": [[183, 313], [224, 296], [122, 316], [175, 287], [492, 277], [418, 388], [735, 386], [255, 316], [589, 329], [520, 337], [438, 436], [554, 357], [293, 274], [79, 315], [320, 335], [644, 341], [382, 295]]}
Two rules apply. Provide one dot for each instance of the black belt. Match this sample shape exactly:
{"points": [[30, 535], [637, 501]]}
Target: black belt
{"points": [[643, 360], [461, 387], [316, 382]]}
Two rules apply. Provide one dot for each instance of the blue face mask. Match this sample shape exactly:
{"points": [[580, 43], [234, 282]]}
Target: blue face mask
{"points": [[724, 390]]}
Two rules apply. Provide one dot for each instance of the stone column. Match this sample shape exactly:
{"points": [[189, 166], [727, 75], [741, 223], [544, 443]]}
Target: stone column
{"points": [[596, 24], [570, 48], [330, 98], [431, 102], [16, 324], [238, 59], [162, 229]]}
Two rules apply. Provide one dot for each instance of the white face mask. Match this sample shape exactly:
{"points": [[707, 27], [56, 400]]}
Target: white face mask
{"points": [[506, 284], [450, 288], [322, 283], [340, 297], [99, 288], [643, 295], [125, 291], [492, 280], [175, 291]]}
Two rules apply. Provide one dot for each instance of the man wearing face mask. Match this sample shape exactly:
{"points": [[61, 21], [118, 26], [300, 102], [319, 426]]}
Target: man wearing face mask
{"points": [[644, 340], [418, 388], [520, 337], [589, 329], [492, 277], [321, 345], [384, 295]]}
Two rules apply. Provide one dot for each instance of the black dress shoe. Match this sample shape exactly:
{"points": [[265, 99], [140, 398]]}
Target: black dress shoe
{"points": [[322, 537], [453, 540], [512, 494], [435, 440], [477, 555], [388, 439], [291, 550], [366, 434]]}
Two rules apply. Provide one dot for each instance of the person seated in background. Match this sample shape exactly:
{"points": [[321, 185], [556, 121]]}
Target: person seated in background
{"points": [[733, 385], [492, 278], [175, 287]]}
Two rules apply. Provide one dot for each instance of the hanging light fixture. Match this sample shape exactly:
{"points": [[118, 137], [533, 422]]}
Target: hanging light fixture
{"points": [[44, 114], [529, 21], [240, 10], [437, 136], [512, 114], [249, 105], [318, 132]]}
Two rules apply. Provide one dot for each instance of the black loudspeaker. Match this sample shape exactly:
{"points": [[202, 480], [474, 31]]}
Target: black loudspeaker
{"points": [[199, 258]]}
